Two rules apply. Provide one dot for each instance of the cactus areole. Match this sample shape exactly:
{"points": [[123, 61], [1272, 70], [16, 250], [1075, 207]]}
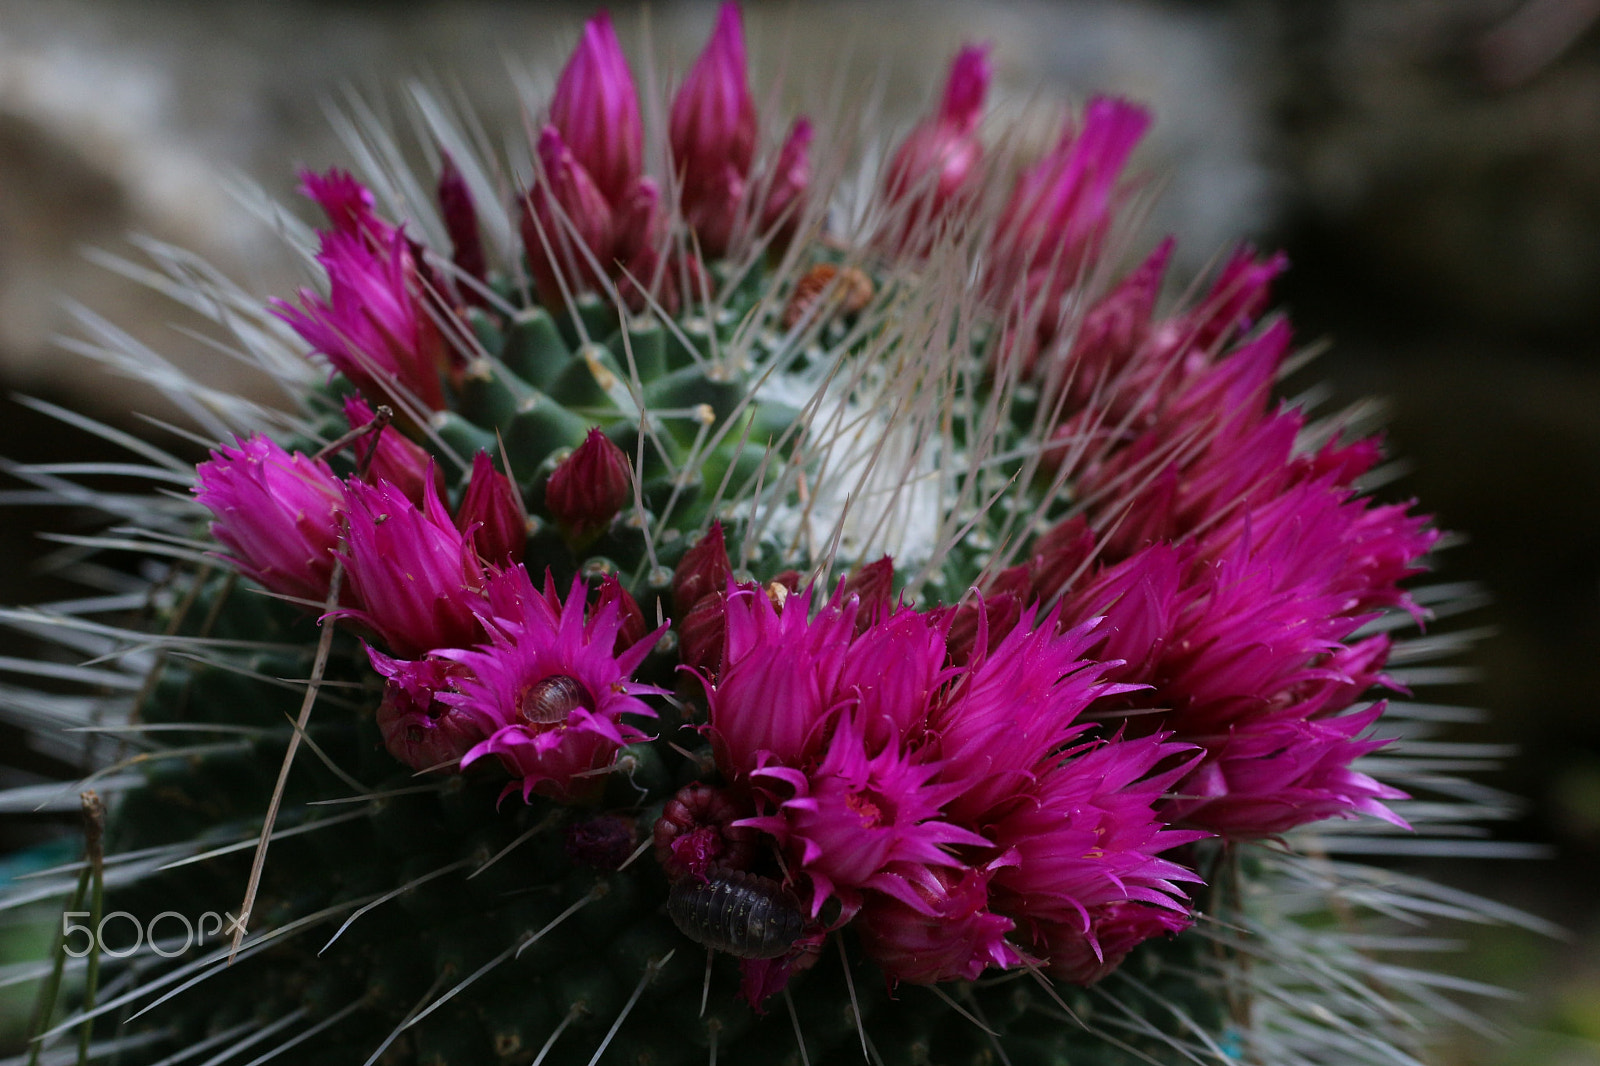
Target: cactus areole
{"points": [[920, 605]]}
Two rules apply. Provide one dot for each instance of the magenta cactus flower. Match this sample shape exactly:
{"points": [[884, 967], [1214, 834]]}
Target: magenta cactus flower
{"points": [[548, 689], [891, 675], [779, 681], [1053, 224], [1012, 709], [852, 815], [374, 326], [417, 577], [713, 135], [1088, 839], [347, 203], [277, 513], [1264, 777]]}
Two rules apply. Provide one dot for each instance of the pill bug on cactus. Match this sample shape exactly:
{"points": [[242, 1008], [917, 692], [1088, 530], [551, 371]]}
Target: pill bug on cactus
{"points": [[551, 700], [740, 914]]}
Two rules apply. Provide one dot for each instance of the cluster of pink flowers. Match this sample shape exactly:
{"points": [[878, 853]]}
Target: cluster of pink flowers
{"points": [[1233, 567], [960, 815], [484, 664], [478, 663]]}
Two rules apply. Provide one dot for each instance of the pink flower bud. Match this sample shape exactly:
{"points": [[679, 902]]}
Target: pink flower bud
{"points": [[713, 134], [277, 513], [589, 488], [787, 184], [703, 570], [394, 457], [595, 110], [567, 224], [942, 152], [978, 626], [418, 728], [632, 629], [701, 633], [873, 585], [461, 223], [1052, 227], [417, 577], [1059, 558], [491, 513]]}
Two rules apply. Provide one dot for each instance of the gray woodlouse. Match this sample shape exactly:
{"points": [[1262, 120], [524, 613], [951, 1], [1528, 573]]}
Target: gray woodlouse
{"points": [[550, 701], [741, 914]]}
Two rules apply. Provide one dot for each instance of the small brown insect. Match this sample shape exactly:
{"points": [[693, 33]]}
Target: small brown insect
{"points": [[852, 291], [550, 701], [742, 914]]}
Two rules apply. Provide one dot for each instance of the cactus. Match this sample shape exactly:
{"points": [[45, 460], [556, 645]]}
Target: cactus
{"points": [[918, 609]]}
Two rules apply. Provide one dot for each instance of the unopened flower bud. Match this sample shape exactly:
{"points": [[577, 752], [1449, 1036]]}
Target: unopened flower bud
{"points": [[787, 184], [701, 633], [419, 729], [632, 628], [873, 585], [461, 223], [942, 152], [390, 455], [374, 325], [589, 488], [713, 134], [567, 223], [418, 579], [491, 513], [595, 109], [703, 570]]}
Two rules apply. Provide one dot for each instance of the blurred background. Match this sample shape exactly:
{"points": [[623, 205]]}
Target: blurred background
{"points": [[1431, 166]]}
